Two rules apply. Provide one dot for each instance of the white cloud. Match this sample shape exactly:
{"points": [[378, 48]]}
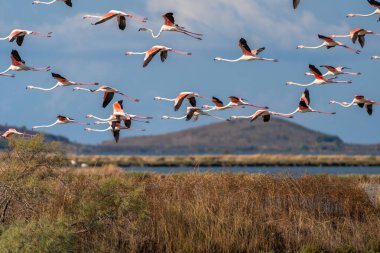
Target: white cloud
{"points": [[261, 21]]}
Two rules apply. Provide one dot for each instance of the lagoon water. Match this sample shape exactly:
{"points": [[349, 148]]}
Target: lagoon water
{"points": [[293, 171]]}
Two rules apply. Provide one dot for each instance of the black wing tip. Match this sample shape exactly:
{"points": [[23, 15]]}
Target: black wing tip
{"points": [[242, 40]]}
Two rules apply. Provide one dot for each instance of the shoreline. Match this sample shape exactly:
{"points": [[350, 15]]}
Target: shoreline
{"points": [[261, 160]]}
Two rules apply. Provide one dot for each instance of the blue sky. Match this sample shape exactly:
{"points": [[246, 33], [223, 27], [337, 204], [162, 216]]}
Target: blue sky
{"points": [[82, 52]]}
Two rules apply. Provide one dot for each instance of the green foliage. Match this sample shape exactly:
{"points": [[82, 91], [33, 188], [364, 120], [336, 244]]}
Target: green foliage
{"points": [[37, 236]]}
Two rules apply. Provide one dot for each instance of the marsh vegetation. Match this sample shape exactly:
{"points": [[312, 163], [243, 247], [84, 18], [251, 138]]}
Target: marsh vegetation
{"points": [[46, 207]]}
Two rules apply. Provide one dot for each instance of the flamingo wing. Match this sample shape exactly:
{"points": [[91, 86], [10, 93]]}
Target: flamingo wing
{"points": [[107, 97], [361, 39], [122, 22], [266, 118], [128, 123], [164, 55], [106, 17], [15, 58], [327, 39], [257, 114], [257, 51], [296, 3], [150, 54], [192, 101], [14, 35], [305, 98], [20, 40], [178, 101], [359, 97], [69, 3], [328, 67], [118, 107], [169, 19], [244, 47], [190, 113], [374, 3], [217, 102], [62, 118], [315, 72], [354, 34], [369, 108], [59, 78], [116, 135], [234, 99]]}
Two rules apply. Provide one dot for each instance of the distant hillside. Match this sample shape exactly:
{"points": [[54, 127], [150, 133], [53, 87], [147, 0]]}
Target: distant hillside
{"points": [[241, 136]]}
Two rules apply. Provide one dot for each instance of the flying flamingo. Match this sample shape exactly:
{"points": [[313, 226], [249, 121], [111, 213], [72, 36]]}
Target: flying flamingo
{"points": [[190, 96], [241, 102], [264, 114], [218, 105], [335, 71], [19, 65], [155, 50], [170, 26], [118, 115], [360, 101], [121, 18], [319, 78], [109, 93], [374, 4], [19, 35], [115, 127], [329, 43], [194, 113], [375, 57], [248, 54], [304, 105], [61, 120], [62, 82], [11, 132], [67, 2], [357, 34], [296, 3]]}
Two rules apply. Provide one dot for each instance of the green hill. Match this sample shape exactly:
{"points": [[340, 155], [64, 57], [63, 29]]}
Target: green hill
{"points": [[240, 136]]}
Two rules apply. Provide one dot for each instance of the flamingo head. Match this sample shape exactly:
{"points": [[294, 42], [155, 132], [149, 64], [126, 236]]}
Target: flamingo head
{"points": [[89, 116], [165, 117], [87, 129], [332, 102], [300, 46], [217, 58], [349, 15], [143, 29]]}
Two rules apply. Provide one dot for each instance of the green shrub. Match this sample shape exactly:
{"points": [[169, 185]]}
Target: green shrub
{"points": [[37, 236]]}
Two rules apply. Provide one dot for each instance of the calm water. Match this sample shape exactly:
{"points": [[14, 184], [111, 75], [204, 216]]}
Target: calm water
{"points": [[295, 171]]}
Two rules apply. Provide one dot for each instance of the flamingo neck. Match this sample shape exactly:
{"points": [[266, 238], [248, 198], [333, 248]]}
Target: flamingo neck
{"points": [[165, 99], [228, 60], [44, 89], [300, 84], [133, 53]]}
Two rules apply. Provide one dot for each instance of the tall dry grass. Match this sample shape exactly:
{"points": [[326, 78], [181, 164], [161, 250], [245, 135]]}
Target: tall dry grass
{"points": [[44, 208]]}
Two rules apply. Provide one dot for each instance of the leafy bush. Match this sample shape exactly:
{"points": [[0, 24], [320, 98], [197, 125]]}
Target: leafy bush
{"points": [[37, 236]]}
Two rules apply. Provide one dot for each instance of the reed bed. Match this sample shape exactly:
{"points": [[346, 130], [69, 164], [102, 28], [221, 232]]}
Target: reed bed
{"points": [[229, 160], [45, 208]]}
